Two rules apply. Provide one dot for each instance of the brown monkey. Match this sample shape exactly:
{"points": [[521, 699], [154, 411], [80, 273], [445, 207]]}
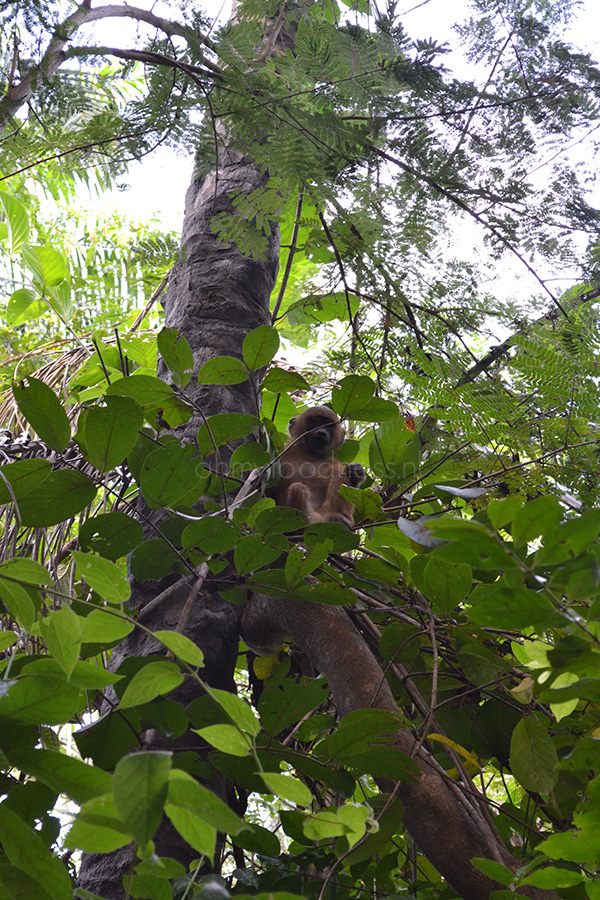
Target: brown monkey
{"points": [[310, 474]]}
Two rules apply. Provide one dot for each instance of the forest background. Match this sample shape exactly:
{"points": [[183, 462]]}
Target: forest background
{"points": [[413, 708]]}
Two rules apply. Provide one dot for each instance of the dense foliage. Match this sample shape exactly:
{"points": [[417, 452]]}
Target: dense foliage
{"points": [[473, 569]]}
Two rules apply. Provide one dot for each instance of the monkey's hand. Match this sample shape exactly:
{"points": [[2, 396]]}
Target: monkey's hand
{"points": [[354, 475]]}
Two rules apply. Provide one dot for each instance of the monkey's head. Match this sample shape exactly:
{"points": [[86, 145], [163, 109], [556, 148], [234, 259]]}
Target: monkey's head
{"points": [[319, 429]]}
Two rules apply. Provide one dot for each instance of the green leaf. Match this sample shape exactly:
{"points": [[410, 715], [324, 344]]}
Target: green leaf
{"points": [[212, 535], [280, 381], [97, 827], [494, 870], [553, 878], [26, 851], [26, 570], [193, 829], [110, 432], [351, 394], [288, 788], [177, 355], [187, 793], [395, 452], [253, 552], [64, 774], [41, 700], [533, 757], [48, 266], [112, 535], [226, 738], [153, 680], [170, 473], [139, 787], [181, 647], [260, 346], [101, 627], [221, 428], [23, 476], [445, 584], [153, 559], [286, 702], [148, 391], [18, 602], [103, 576], [61, 631], [238, 710], [18, 222], [538, 517], [247, 457], [23, 306], [223, 370], [65, 493], [44, 412]]}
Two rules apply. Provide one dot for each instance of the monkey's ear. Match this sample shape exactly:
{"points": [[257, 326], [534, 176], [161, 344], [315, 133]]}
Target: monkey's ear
{"points": [[291, 423]]}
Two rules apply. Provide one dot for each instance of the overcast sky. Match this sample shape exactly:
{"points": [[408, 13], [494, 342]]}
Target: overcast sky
{"points": [[157, 185]]}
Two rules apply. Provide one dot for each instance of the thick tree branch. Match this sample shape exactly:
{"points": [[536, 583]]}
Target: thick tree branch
{"points": [[447, 825], [21, 92]]}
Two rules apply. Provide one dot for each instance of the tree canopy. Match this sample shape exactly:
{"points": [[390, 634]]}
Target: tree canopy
{"points": [[418, 724]]}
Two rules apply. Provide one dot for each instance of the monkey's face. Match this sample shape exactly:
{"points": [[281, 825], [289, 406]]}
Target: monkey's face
{"points": [[319, 430]]}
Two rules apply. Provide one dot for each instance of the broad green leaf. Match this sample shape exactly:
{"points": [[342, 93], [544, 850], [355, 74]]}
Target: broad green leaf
{"points": [[170, 473], [44, 412], [227, 738], [285, 702], [26, 850], [98, 827], [23, 477], [193, 829], [149, 392], [112, 535], [252, 553], [351, 395], [153, 559], [211, 534], [18, 602], [48, 267], [280, 381], [61, 631], [110, 432], [41, 700], [288, 788], [221, 428], [260, 346], [445, 584], [395, 452], [7, 639], [24, 306], [177, 355], [538, 517], [139, 787], [18, 222], [494, 870], [153, 680], [223, 370], [27, 570], [238, 710], [181, 647], [64, 774], [103, 576], [101, 627], [533, 757], [553, 878], [247, 457], [63, 494], [187, 793]]}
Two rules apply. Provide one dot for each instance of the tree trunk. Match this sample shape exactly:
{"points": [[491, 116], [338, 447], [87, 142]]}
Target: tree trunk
{"points": [[215, 297]]}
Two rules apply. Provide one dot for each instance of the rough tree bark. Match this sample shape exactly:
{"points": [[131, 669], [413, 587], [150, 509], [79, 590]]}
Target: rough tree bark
{"points": [[215, 297]]}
